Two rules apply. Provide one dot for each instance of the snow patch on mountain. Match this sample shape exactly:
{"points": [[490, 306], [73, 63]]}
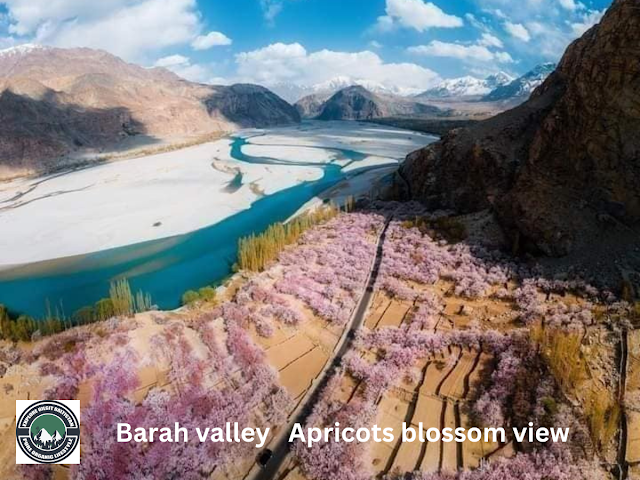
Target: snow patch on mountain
{"points": [[23, 49], [465, 87], [523, 86]]}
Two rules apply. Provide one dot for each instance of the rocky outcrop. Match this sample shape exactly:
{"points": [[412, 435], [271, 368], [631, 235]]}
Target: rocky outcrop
{"points": [[250, 106], [56, 103], [352, 103], [564, 166], [358, 103]]}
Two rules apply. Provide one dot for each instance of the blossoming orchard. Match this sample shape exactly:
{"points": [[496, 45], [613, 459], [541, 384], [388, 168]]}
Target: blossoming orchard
{"points": [[457, 332]]}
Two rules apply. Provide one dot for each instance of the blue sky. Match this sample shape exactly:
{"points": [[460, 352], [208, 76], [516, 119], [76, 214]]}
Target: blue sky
{"points": [[407, 43]]}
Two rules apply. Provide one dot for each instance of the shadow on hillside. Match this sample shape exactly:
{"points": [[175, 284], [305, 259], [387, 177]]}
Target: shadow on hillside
{"points": [[432, 126], [42, 133], [249, 106]]}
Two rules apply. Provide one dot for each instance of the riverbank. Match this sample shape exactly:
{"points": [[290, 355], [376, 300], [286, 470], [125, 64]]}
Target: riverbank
{"points": [[164, 195], [178, 215]]}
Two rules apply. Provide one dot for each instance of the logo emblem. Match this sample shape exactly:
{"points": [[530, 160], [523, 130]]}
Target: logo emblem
{"points": [[48, 431]]}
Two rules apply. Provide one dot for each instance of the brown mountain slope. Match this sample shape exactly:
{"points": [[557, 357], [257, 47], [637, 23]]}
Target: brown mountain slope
{"points": [[563, 167], [311, 105], [56, 102], [358, 103]]}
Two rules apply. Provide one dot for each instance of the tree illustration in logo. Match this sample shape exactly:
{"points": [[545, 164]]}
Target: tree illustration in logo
{"points": [[48, 432]]}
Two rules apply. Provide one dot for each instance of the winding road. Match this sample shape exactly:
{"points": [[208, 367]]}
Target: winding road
{"points": [[280, 444]]}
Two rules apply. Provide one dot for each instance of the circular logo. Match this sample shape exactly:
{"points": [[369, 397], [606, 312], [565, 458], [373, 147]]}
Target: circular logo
{"points": [[48, 432]]}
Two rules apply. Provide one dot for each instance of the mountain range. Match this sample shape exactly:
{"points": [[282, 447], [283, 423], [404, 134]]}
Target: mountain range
{"points": [[57, 102], [500, 87], [561, 171], [358, 103], [521, 87], [61, 106], [466, 87]]}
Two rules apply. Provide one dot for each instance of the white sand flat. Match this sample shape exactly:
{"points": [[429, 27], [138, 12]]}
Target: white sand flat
{"points": [[162, 195]]}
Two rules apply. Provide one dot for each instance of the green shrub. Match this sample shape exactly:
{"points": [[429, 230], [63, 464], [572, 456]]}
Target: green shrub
{"points": [[120, 302], [84, 316], [190, 297], [104, 309], [203, 295], [24, 328], [5, 323], [256, 251], [207, 294], [122, 298], [51, 326], [15, 330]]}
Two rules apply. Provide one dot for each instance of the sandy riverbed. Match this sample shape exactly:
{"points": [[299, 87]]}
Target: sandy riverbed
{"points": [[158, 196]]}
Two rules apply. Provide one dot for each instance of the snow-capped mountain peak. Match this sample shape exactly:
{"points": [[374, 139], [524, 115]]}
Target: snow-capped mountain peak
{"points": [[523, 86], [23, 49], [293, 92], [333, 84], [499, 79], [466, 87]]}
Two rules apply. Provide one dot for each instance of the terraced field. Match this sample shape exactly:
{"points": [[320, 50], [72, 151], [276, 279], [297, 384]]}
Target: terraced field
{"points": [[299, 354], [434, 396]]}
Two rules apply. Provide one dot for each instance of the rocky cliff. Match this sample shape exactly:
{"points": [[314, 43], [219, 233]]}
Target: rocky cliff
{"points": [[562, 168], [56, 102]]}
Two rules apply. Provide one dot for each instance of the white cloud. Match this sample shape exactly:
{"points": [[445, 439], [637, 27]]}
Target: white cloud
{"points": [[489, 40], [503, 57], [550, 42], [210, 40], [28, 15], [500, 14], [292, 63], [132, 29], [587, 20], [469, 53], [7, 42], [549, 25], [416, 14], [384, 24], [271, 9], [517, 30], [182, 66], [568, 4], [172, 61], [475, 22]]}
